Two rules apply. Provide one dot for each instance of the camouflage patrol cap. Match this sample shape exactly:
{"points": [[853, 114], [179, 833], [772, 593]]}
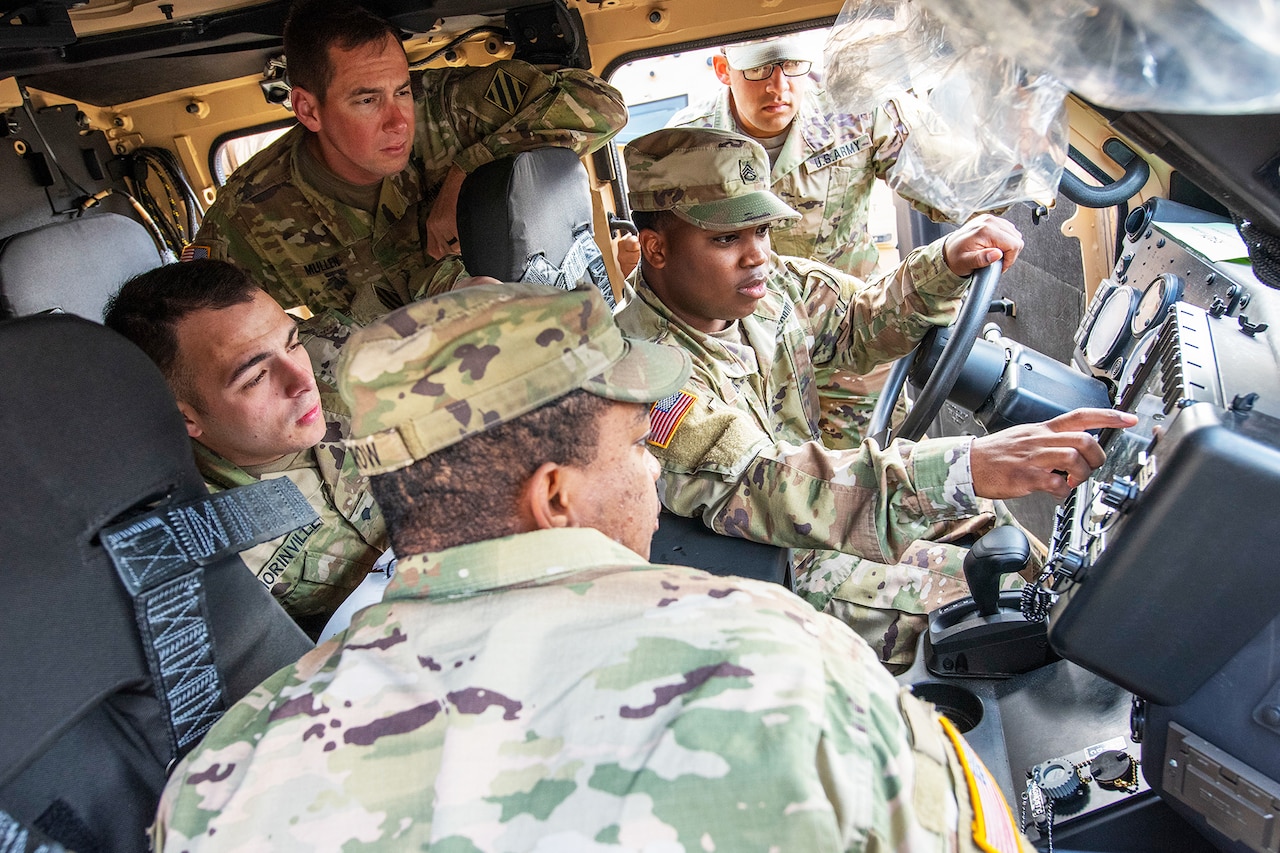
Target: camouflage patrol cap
{"points": [[753, 54], [711, 178], [432, 373]]}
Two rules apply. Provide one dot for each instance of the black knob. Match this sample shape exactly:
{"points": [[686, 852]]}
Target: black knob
{"points": [[1119, 493], [1122, 266], [1068, 565], [1113, 769], [1000, 552]]}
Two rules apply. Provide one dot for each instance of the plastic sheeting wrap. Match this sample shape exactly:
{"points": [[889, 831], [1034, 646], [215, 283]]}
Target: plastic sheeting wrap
{"points": [[1176, 56], [987, 134], [988, 129]]}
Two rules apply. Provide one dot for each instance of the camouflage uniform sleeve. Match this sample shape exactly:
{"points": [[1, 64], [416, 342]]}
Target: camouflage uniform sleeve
{"points": [[864, 325], [882, 736], [227, 242], [474, 116], [447, 272], [181, 817], [720, 465]]}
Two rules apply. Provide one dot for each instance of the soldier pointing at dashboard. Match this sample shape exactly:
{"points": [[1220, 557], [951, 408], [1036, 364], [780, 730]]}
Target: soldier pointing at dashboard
{"points": [[739, 443]]}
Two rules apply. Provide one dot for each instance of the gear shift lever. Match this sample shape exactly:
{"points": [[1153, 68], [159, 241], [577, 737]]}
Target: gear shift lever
{"points": [[1002, 551], [985, 635]]}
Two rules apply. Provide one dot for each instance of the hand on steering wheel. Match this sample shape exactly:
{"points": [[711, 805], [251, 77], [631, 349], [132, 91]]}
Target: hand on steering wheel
{"points": [[964, 332]]}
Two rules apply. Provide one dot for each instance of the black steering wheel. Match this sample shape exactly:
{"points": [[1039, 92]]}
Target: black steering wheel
{"points": [[964, 332]]}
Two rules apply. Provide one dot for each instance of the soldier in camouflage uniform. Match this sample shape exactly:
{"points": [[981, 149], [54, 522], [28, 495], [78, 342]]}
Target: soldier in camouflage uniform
{"points": [[529, 681], [740, 446], [823, 164], [243, 382], [353, 209]]}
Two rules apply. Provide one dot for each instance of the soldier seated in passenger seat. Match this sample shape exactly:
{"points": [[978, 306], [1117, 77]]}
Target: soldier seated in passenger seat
{"points": [[530, 681], [253, 409]]}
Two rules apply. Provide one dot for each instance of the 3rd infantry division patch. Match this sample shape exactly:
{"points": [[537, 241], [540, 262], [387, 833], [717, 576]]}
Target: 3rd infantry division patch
{"points": [[506, 92]]}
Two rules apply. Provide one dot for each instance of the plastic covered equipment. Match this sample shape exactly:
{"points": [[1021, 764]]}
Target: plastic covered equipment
{"points": [[1180, 56], [985, 133], [981, 85]]}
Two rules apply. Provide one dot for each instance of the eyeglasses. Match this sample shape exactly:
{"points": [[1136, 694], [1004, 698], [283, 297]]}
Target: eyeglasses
{"points": [[790, 68]]}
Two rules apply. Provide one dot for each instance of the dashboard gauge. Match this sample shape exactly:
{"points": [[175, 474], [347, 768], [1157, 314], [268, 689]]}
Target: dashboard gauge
{"points": [[1110, 331], [1160, 295]]}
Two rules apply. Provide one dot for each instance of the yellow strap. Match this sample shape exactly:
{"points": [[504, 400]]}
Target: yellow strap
{"points": [[994, 830]]}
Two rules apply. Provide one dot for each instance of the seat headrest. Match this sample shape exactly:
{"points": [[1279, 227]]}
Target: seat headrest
{"points": [[528, 218], [92, 437], [74, 266]]}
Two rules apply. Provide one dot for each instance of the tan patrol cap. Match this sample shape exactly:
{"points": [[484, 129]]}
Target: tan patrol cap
{"points": [[714, 179], [753, 54], [432, 373]]}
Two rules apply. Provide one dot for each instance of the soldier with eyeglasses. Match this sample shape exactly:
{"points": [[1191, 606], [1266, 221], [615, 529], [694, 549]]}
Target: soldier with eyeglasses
{"points": [[823, 163]]}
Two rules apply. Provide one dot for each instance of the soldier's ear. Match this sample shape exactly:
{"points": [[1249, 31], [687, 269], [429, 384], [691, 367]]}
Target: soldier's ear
{"points": [[720, 64], [653, 248], [192, 419], [545, 499], [306, 106]]}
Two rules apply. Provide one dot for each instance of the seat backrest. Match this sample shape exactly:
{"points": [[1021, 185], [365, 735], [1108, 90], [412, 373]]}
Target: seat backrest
{"points": [[102, 686], [73, 267], [528, 218], [689, 542]]}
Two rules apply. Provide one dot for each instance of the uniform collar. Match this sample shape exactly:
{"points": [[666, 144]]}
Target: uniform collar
{"points": [[344, 222], [526, 559], [810, 130], [225, 474], [739, 350], [337, 467]]}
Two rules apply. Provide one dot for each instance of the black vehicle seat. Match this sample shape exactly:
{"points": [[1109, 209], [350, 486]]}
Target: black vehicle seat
{"points": [[91, 715], [72, 267], [528, 218], [522, 215]]}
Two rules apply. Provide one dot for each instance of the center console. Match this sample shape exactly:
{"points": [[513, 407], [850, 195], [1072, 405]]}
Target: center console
{"points": [[1160, 729]]}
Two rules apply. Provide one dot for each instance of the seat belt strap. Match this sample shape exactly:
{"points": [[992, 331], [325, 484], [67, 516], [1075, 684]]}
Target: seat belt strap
{"points": [[160, 558], [16, 838], [582, 263]]}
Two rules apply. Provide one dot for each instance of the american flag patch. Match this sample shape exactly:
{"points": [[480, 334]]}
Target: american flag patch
{"points": [[993, 827], [194, 252], [666, 415]]}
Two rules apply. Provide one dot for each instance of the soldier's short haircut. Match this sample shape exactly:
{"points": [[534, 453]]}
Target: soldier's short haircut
{"points": [[147, 308], [652, 220], [470, 491], [313, 26]]}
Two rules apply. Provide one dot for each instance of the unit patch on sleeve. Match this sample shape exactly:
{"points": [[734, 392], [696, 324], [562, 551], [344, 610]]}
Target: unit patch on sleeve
{"points": [[506, 92], [666, 415]]}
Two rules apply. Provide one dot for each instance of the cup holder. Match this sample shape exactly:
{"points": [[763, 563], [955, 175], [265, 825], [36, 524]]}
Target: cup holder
{"points": [[956, 703]]}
